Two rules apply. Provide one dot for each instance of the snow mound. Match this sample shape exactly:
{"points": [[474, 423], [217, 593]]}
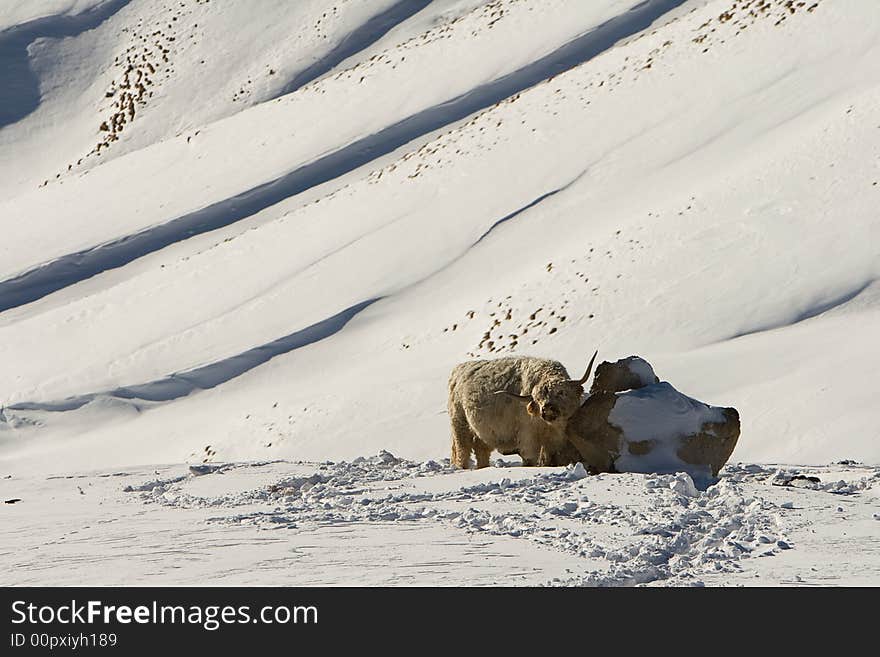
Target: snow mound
{"points": [[659, 411]]}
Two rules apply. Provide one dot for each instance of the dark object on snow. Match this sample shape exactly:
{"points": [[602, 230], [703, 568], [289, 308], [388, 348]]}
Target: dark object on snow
{"points": [[198, 470], [13, 500], [797, 477]]}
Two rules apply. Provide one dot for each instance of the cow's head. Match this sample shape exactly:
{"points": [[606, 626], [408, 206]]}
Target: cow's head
{"points": [[555, 401]]}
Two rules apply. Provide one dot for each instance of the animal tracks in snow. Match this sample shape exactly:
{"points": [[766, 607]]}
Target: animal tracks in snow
{"points": [[623, 529]]}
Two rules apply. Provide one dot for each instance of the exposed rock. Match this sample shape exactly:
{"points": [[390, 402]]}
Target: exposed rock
{"points": [[592, 439], [714, 444], [626, 374], [652, 428]]}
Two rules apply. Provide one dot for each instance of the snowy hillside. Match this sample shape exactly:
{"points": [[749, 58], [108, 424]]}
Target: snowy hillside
{"points": [[265, 231]]}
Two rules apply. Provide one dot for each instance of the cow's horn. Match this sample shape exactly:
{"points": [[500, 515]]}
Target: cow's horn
{"points": [[507, 392], [586, 376]]}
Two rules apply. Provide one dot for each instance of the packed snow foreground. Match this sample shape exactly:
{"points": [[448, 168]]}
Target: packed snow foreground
{"points": [[242, 248], [389, 521]]}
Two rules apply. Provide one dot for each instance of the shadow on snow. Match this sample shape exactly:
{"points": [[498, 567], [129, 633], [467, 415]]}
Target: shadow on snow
{"points": [[73, 268], [19, 86]]}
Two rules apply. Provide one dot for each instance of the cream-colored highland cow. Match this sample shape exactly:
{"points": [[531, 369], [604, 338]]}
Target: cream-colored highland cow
{"points": [[515, 405]]}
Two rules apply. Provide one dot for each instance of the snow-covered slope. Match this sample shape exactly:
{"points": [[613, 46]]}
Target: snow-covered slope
{"points": [[703, 193], [112, 77]]}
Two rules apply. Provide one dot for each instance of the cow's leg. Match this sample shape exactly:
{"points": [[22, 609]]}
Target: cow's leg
{"points": [[550, 445], [544, 458], [529, 449], [482, 452], [552, 442], [462, 438]]}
